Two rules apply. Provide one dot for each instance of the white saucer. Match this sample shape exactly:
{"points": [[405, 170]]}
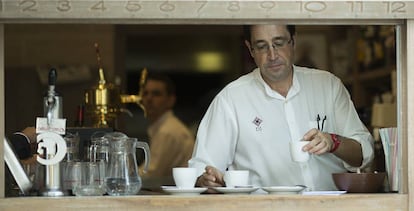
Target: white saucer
{"points": [[284, 189], [183, 191], [238, 190]]}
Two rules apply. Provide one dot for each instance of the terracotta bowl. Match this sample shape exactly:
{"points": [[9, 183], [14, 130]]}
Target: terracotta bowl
{"points": [[359, 182]]}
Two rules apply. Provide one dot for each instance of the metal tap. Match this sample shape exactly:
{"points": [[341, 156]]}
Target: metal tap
{"points": [[137, 98], [52, 109]]}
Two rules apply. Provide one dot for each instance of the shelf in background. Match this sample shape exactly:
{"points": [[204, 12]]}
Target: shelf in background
{"points": [[370, 75]]}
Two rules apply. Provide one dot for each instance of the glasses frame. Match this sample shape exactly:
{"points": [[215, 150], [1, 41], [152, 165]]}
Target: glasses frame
{"points": [[277, 44]]}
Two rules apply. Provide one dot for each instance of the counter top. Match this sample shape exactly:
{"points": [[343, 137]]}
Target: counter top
{"points": [[211, 202]]}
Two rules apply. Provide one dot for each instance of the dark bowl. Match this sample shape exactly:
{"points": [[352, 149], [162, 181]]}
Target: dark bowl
{"points": [[359, 182]]}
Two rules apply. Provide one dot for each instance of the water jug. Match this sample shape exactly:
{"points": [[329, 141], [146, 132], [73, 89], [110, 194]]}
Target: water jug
{"points": [[122, 177]]}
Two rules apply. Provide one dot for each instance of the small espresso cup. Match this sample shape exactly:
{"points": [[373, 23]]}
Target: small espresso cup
{"points": [[235, 178], [185, 177], [296, 152]]}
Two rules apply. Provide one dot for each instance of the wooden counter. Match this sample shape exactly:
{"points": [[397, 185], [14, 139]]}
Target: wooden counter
{"points": [[398, 13], [212, 202]]}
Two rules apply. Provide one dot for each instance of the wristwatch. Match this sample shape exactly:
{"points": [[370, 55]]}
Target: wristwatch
{"points": [[336, 142]]}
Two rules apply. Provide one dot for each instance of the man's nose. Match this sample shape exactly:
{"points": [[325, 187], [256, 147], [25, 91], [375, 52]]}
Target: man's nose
{"points": [[273, 52]]}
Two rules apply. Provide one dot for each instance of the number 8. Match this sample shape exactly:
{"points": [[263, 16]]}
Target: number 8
{"points": [[234, 6]]}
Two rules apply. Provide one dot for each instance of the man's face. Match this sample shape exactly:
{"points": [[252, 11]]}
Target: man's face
{"points": [[156, 99], [271, 47]]}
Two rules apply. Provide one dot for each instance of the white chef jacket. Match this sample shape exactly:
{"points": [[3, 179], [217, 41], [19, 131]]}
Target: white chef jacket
{"points": [[249, 126], [171, 145]]}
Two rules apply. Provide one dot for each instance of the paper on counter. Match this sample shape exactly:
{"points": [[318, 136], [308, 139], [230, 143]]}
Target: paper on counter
{"points": [[332, 193]]}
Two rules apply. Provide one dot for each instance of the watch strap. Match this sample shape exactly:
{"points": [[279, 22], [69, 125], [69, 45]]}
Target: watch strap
{"points": [[336, 142]]}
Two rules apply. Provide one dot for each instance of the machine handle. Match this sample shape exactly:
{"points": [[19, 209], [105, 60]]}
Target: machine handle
{"points": [[52, 77]]}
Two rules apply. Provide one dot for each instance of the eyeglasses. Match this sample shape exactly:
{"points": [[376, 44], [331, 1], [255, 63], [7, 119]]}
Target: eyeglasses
{"points": [[264, 48]]}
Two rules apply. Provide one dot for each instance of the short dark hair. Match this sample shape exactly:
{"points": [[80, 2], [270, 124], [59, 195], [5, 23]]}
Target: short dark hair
{"points": [[247, 31], [169, 84]]}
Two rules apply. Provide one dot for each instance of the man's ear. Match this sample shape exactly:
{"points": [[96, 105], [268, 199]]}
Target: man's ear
{"points": [[293, 42], [247, 43]]}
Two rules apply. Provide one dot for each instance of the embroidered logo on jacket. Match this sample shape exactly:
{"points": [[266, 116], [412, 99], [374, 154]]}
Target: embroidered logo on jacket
{"points": [[257, 121]]}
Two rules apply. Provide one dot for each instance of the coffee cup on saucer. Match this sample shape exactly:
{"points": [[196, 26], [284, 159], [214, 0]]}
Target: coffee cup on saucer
{"points": [[236, 178], [184, 177]]}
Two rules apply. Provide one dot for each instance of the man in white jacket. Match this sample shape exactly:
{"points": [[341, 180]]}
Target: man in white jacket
{"points": [[250, 123]]}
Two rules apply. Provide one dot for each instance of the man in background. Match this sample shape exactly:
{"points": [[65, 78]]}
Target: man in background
{"points": [[171, 142]]}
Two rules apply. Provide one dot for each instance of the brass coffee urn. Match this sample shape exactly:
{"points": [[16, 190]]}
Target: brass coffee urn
{"points": [[103, 102]]}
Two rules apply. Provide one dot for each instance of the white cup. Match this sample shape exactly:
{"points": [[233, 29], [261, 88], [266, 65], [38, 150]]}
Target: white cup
{"points": [[234, 178], [185, 177], [296, 152]]}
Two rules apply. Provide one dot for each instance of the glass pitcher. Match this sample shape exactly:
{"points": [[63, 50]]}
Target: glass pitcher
{"points": [[99, 147], [98, 152], [122, 177]]}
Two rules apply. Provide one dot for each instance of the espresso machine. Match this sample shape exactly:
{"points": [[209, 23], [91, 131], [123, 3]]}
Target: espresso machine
{"points": [[103, 102]]}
